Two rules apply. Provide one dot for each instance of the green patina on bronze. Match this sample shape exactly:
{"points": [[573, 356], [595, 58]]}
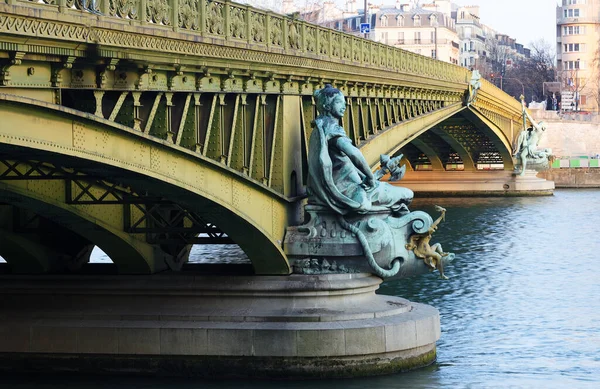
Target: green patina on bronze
{"points": [[355, 219]]}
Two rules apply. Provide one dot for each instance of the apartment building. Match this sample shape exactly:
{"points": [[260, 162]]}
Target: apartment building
{"points": [[472, 37], [577, 42], [427, 30]]}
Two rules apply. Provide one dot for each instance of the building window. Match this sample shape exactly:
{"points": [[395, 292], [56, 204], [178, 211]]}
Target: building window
{"points": [[400, 20], [432, 35], [433, 54], [573, 65], [571, 13], [384, 21], [573, 30], [417, 38], [401, 38], [572, 2], [417, 21], [574, 47], [432, 20]]}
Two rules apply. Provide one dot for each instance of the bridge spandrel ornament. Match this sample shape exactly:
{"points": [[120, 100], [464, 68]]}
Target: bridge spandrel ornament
{"points": [[357, 223]]}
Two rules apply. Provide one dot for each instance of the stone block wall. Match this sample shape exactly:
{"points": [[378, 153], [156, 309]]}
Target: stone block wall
{"points": [[569, 138]]}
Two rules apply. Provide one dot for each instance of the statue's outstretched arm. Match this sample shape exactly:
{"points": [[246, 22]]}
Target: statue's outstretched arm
{"points": [[526, 114]]}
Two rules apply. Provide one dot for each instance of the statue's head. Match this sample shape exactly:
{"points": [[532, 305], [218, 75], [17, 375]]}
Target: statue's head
{"points": [[330, 101]]}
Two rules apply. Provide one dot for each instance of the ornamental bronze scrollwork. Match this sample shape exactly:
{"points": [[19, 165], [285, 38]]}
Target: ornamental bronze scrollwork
{"points": [[237, 28], [188, 14], [257, 27], [126, 9], [158, 11], [215, 20]]}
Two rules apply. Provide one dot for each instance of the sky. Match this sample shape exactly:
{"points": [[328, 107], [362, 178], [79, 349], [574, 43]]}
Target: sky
{"points": [[525, 20]]}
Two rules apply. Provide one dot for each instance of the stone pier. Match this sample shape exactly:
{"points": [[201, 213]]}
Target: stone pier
{"points": [[297, 326], [476, 183]]}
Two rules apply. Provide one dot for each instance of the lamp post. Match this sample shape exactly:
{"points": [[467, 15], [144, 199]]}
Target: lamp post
{"points": [[366, 17]]}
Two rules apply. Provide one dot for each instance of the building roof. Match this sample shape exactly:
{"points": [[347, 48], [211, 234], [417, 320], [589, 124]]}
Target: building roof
{"points": [[412, 12]]}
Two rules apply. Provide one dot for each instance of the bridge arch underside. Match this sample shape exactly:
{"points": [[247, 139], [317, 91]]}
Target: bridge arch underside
{"points": [[461, 142], [57, 200]]}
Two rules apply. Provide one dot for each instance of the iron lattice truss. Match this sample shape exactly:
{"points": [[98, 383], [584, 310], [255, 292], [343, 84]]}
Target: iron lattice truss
{"points": [[164, 222], [442, 149], [475, 142]]}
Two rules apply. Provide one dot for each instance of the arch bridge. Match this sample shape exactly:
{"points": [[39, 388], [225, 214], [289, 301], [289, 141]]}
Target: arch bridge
{"points": [[144, 127]]}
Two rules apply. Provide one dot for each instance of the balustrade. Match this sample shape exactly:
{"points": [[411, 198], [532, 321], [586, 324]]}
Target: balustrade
{"points": [[262, 30]]}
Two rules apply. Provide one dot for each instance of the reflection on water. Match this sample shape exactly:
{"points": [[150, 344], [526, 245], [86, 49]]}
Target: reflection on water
{"points": [[522, 307]]}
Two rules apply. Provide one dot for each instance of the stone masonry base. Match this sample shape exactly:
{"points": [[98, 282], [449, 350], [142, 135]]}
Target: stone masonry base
{"points": [[185, 325]]}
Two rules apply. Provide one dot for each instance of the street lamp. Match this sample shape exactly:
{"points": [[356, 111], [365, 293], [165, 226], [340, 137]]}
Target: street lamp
{"points": [[366, 17]]}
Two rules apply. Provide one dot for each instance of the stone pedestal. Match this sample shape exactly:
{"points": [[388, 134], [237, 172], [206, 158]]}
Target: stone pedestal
{"points": [[324, 246], [476, 183], [299, 326]]}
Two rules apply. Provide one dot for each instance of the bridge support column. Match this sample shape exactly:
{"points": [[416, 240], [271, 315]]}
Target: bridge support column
{"points": [[297, 326], [476, 183]]}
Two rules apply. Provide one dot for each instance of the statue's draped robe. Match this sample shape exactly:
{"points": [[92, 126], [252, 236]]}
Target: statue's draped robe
{"points": [[334, 180]]}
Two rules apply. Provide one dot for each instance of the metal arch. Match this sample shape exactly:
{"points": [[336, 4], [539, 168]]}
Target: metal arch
{"points": [[394, 138], [435, 160], [130, 256], [253, 216], [494, 133], [32, 244], [466, 157], [82, 189]]}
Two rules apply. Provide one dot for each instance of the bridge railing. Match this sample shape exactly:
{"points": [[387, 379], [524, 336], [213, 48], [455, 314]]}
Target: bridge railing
{"points": [[500, 95], [237, 24]]}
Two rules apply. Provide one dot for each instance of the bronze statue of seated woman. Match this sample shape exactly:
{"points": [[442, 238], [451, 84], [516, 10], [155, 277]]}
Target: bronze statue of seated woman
{"points": [[338, 174]]}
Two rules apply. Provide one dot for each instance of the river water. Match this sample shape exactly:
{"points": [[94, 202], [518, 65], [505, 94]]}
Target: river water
{"points": [[521, 309]]}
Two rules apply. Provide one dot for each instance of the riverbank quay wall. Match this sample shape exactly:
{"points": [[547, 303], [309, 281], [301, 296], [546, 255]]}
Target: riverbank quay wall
{"points": [[575, 143]]}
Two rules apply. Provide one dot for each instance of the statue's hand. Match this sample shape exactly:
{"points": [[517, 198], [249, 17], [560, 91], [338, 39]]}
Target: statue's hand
{"points": [[369, 183]]}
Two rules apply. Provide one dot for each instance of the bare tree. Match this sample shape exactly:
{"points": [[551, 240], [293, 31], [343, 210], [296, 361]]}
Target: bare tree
{"points": [[497, 57], [519, 74], [594, 80], [536, 69]]}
